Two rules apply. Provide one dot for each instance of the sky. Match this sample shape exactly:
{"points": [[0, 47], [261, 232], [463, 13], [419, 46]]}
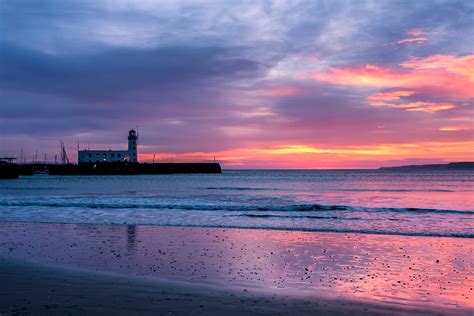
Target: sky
{"points": [[255, 84]]}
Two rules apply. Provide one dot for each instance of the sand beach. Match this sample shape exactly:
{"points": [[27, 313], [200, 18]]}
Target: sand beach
{"points": [[126, 269]]}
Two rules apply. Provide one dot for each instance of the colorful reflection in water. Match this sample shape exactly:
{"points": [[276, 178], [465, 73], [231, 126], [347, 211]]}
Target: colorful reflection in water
{"points": [[413, 271]]}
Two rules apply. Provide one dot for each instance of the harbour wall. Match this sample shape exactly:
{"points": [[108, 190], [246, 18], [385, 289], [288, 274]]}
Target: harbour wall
{"points": [[133, 168]]}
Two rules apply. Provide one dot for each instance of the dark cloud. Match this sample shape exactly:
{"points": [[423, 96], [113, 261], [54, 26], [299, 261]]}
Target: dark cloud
{"points": [[114, 73]]}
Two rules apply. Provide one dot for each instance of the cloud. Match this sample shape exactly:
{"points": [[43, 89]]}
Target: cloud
{"points": [[455, 128], [390, 95], [449, 76], [441, 75], [412, 40], [419, 106], [461, 65], [391, 99], [434, 77], [415, 36], [416, 32], [281, 91], [114, 72]]}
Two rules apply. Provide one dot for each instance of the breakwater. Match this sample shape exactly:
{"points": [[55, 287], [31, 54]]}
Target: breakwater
{"points": [[8, 171], [133, 168]]}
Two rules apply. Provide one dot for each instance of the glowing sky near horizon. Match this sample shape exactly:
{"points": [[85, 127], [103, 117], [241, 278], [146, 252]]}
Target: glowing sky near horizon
{"points": [[256, 84]]}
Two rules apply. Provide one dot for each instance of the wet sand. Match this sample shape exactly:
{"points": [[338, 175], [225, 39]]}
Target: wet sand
{"points": [[168, 270], [45, 289]]}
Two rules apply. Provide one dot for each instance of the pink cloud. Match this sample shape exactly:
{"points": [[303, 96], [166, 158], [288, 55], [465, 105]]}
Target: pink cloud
{"points": [[455, 128], [419, 106], [415, 36], [390, 99], [459, 65], [281, 91], [412, 40], [416, 32], [313, 57], [391, 95], [437, 75], [443, 75]]}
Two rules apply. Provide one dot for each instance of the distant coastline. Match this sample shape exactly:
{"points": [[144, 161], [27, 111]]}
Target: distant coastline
{"points": [[448, 166]]}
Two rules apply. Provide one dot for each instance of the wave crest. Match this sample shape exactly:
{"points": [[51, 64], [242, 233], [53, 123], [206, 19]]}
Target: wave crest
{"points": [[222, 207]]}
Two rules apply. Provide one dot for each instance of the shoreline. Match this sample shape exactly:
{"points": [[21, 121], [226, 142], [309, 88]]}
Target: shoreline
{"points": [[279, 229], [303, 271]]}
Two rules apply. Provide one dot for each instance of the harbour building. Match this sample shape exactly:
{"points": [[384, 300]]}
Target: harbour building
{"points": [[130, 155]]}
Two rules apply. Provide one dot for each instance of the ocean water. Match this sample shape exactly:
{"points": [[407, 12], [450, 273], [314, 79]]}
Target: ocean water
{"points": [[420, 203]]}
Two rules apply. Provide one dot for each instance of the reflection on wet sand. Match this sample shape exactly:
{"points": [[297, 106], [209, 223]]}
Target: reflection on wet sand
{"points": [[131, 235], [414, 271]]}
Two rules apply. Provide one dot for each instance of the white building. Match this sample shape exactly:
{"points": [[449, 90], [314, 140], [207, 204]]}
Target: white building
{"points": [[130, 155]]}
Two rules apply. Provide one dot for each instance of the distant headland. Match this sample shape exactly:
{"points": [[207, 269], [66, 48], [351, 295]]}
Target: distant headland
{"points": [[448, 166]]}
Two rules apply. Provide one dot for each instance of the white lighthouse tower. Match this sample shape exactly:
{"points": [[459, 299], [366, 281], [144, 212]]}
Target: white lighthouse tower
{"points": [[132, 145]]}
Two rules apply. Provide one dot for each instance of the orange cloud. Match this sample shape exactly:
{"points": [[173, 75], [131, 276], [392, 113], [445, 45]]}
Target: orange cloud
{"points": [[293, 149], [421, 106], [367, 75], [380, 99], [454, 128], [459, 65], [443, 74], [392, 95]]}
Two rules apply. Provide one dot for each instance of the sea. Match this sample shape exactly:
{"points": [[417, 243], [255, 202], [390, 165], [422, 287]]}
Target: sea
{"points": [[393, 202]]}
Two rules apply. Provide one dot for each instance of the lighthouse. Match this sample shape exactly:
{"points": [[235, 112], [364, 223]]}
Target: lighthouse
{"points": [[132, 145], [96, 156]]}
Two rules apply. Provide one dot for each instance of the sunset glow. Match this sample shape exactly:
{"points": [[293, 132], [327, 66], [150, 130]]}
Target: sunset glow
{"points": [[309, 157]]}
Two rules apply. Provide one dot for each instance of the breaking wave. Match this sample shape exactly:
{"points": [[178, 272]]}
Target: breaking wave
{"points": [[240, 189], [67, 203]]}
